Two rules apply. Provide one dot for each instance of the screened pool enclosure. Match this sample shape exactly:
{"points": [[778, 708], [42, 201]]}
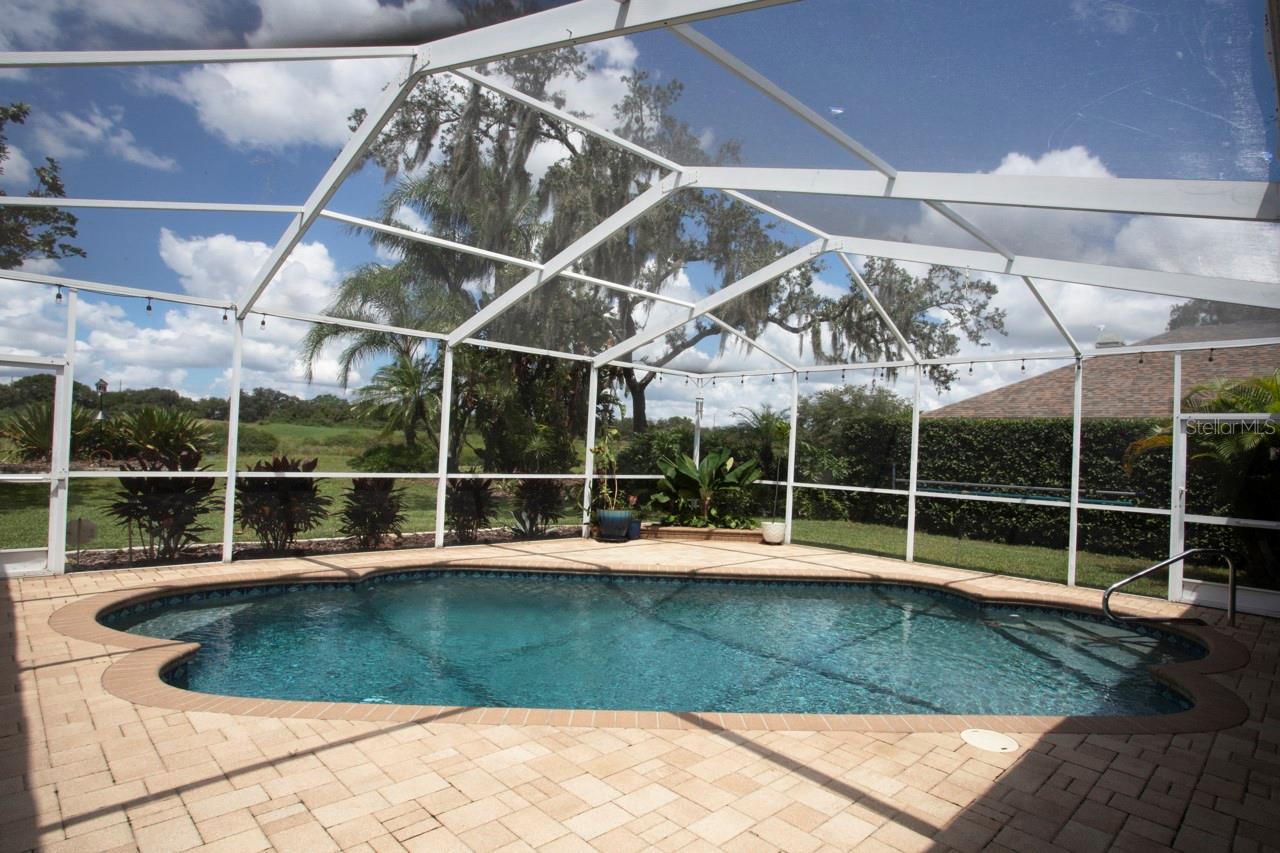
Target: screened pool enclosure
{"points": [[1010, 306]]}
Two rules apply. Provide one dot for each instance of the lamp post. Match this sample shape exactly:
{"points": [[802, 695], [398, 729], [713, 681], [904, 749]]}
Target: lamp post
{"points": [[102, 386], [697, 425]]}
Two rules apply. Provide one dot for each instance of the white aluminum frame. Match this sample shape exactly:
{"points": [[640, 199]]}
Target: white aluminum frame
{"points": [[588, 20]]}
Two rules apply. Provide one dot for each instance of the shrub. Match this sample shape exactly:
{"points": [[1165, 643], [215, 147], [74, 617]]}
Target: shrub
{"points": [[278, 509], [164, 436], [372, 509], [30, 431], [707, 493], [469, 507], [165, 511], [394, 459], [644, 450], [540, 504], [249, 438]]}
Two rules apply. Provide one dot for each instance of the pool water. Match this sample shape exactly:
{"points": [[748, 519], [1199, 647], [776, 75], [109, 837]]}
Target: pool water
{"points": [[556, 641]]}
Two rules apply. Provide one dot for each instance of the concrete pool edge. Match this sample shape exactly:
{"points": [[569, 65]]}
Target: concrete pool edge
{"points": [[136, 675]]}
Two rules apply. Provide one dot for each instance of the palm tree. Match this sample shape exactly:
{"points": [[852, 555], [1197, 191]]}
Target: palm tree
{"points": [[402, 395], [375, 293], [769, 428]]}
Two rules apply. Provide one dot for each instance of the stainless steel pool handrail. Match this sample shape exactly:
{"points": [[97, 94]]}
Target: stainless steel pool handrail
{"points": [[1231, 586]]}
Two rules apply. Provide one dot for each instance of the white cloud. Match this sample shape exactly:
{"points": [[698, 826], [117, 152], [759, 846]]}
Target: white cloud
{"points": [[65, 135], [52, 24], [221, 266], [185, 347], [276, 105], [311, 22], [1245, 250], [603, 88], [31, 323], [17, 169]]}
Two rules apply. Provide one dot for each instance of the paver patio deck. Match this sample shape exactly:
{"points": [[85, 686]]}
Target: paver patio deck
{"points": [[82, 768]]}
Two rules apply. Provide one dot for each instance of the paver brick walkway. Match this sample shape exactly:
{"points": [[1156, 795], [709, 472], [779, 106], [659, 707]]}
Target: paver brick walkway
{"points": [[82, 769]]}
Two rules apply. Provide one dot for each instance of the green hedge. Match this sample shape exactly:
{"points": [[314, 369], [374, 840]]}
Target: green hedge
{"points": [[876, 451]]}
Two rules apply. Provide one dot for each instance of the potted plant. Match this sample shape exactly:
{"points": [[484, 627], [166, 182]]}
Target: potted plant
{"points": [[774, 531], [613, 515]]}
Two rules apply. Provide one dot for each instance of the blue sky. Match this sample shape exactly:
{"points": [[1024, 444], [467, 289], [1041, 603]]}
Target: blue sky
{"points": [[1089, 87]]}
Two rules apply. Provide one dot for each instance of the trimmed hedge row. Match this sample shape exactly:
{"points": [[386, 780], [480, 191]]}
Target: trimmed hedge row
{"points": [[995, 457]]}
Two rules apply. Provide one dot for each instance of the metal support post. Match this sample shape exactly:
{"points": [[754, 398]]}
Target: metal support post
{"points": [[791, 454], [1073, 532], [915, 467], [233, 443], [698, 403], [1178, 485], [60, 455], [589, 457], [442, 471]]}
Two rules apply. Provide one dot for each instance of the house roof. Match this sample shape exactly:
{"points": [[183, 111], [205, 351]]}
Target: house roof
{"points": [[1128, 385]]}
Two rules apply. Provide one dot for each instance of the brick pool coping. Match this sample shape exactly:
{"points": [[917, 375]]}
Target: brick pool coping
{"points": [[136, 677]]}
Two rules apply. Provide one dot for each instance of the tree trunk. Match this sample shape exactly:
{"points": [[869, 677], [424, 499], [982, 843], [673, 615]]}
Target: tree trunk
{"points": [[639, 415]]}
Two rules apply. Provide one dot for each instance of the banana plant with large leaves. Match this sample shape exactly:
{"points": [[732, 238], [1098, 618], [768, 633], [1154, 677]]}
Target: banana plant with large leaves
{"points": [[690, 491]]}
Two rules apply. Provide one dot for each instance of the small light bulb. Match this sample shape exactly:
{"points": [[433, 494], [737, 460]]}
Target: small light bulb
{"points": [[58, 298], [224, 315], [148, 304], [263, 324]]}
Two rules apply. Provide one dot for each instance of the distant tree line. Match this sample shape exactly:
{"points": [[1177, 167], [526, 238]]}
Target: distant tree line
{"points": [[260, 404]]}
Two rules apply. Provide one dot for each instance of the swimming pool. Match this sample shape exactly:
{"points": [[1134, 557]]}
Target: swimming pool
{"points": [[540, 640]]}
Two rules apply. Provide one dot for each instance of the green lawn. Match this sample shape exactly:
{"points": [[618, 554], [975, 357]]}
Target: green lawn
{"points": [[1050, 564], [333, 446]]}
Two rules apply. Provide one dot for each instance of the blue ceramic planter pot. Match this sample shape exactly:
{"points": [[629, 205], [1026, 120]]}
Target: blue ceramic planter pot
{"points": [[613, 524]]}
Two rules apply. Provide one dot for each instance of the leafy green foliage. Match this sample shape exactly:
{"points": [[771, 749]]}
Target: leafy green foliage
{"points": [[1242, 463], [1206, 312], [163, 436], [29, 431], [34, 232], [608, 492], [279, 509], [525, 526], [372, 509], [643, 450], [469, 507], [699, 494], [401, 397], [249, 439], [540, 504], [394, 458]]}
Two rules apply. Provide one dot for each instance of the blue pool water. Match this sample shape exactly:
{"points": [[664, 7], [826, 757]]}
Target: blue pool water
{"points": [[555, 641]]}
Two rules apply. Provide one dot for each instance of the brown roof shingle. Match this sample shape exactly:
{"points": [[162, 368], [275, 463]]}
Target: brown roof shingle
{"points": [[1127, 386]]}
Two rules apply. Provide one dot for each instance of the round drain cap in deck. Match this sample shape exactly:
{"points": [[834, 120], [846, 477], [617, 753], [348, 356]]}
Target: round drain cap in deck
{"points": [[988, 740]]}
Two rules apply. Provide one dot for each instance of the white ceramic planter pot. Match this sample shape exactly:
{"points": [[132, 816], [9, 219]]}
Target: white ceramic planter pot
{"points": [[773, 532]]}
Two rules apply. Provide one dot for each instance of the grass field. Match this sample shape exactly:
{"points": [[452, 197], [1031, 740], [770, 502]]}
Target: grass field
{"points": [[1049, 564]]}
